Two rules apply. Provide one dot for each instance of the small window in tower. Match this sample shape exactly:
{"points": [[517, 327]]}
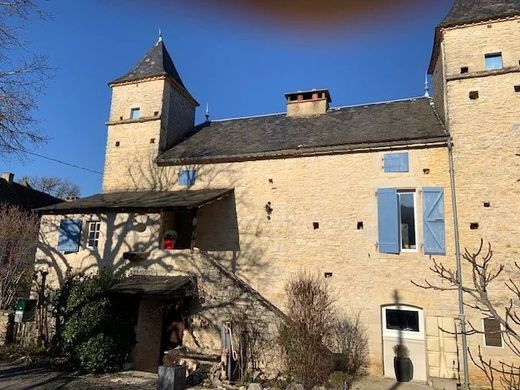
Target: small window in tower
{"points": [[135, 113], [517, 88], [464, 69], [494, 61]]}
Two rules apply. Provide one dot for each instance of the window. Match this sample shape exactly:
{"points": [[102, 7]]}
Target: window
{"points": [[492, 332], [135, 113], [403, 321], [494, 61], [187, 177], [397, 228], [407, 220], [93, 234], [395, 162], [69, 235], [178, 224]]}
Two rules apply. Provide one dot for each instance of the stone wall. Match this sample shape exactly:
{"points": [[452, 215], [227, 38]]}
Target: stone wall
{"points": [[486, 136]]}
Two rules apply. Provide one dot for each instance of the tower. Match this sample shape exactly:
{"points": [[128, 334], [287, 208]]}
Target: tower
{"points": [[151, 110], [476, 78]]}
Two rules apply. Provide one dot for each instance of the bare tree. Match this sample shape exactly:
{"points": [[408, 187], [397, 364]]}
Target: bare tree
{"points": [[483, 273], [18, 239], [55, 186], [21, 78]]}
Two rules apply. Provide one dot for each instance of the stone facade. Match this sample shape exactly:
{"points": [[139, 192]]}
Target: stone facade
{"points": [[320, 213]]}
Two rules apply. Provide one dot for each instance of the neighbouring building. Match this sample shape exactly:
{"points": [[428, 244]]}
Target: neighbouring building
{"points": [[22, 195], [361, 194]]}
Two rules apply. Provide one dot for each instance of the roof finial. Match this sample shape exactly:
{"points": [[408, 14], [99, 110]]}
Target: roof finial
{"points": [[207, 112], [426, 86], [160, 37]]}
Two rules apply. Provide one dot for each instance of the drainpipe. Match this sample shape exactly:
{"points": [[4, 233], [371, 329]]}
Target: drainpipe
{"points": [[462, 316]]}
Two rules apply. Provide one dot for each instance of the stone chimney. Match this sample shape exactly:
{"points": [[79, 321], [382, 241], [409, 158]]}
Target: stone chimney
{"points": [[8, 177], [303, 103]]}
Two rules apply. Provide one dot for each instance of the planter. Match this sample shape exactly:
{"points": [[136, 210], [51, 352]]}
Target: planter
{"points": [[171, 378], [403, 368], [169, 243]]}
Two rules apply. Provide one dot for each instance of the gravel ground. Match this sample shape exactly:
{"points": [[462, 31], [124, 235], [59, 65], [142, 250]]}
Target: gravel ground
{"points": [[40, 377]]}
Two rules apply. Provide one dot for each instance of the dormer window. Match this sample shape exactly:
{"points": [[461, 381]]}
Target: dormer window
{"points": [[494, 61], [135, 113]]}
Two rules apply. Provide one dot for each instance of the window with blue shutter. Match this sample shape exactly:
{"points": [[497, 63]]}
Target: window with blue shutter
{"points": [[396, 162], [388, 220], [69, 235], [433, 220], [187, 177]]}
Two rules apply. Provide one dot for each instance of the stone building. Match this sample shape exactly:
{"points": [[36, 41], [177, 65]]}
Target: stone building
{"points": [[362, 195]]}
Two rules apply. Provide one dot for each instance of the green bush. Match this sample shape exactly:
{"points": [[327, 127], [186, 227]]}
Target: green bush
{"points": [[94, 329]]}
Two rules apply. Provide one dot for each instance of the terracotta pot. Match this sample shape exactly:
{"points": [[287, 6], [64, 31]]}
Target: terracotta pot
{"points": [[169, 243]]}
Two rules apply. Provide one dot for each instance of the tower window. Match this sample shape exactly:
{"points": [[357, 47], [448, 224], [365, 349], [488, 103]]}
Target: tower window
{"points": [[473, 95], [494, 61], [135, 113], [464, 69], [517, 88]]}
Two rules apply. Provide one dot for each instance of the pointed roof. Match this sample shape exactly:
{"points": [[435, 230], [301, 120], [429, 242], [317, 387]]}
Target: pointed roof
{"points": [[473, 11], [157, 62]]}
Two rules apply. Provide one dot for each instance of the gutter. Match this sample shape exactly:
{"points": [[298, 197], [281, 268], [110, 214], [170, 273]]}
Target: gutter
{"points": [[462, 316]]}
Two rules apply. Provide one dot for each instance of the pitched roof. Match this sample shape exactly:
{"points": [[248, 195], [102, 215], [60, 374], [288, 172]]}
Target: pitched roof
{"points": [[140, 200], [157, 62], [471, 11], [23, 196], [402, 122]]}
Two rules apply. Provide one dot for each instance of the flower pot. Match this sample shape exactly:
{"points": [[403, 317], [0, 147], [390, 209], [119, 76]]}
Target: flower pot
{"points": [[169, 243], [403, 368]]}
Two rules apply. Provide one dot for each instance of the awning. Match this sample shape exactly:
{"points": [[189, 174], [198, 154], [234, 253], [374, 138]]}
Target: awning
{"points": [[139, 201], [160, 286]]}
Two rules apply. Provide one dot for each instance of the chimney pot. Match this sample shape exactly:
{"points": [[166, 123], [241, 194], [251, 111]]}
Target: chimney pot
{"points": [[8, 177], [312, 102]]}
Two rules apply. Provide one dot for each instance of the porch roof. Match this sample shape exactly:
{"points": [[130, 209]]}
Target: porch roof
{"points": [[139, 201], [164, 286]]}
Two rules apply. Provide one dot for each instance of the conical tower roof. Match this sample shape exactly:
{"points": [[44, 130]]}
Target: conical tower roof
{"points": [[157, 62]]}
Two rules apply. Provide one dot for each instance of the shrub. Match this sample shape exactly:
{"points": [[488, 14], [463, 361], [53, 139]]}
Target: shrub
{"points": [[95, 330], [311, 321], [350, 342]]}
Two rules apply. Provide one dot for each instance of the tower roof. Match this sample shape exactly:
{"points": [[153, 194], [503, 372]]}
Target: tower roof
{"points": [[157, 62], [472, 11]]}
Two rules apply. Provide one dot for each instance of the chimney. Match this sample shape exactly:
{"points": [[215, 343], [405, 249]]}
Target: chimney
{"points": [[313, 102], [8, 177]]}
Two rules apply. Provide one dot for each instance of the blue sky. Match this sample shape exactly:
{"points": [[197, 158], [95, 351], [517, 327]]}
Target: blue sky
{"points": [[241, 65]]}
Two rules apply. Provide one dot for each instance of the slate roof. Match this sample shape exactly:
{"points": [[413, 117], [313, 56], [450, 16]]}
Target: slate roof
{"points": [[473, 11], [154, 285], [402, 122], [139, 200], [470, 11], [23, 196], [157, 62]]}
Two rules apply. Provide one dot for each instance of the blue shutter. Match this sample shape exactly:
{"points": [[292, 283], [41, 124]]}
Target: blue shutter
{"points": [[434, 231], [70, 235], [187, 177], [388, 220], [396, 162], [494, 61]]}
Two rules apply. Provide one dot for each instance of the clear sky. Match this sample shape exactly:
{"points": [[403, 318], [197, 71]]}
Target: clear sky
{"points": [[240, 61]]}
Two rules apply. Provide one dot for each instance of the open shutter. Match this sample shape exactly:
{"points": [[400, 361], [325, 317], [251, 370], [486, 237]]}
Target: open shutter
{"points": [[388, 220], [396, 162], [434, 230], [187, 177], [70, 235]]}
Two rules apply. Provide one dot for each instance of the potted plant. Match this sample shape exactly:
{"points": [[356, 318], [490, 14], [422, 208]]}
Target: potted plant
{"points": [[169, 239], [403, 366]]}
